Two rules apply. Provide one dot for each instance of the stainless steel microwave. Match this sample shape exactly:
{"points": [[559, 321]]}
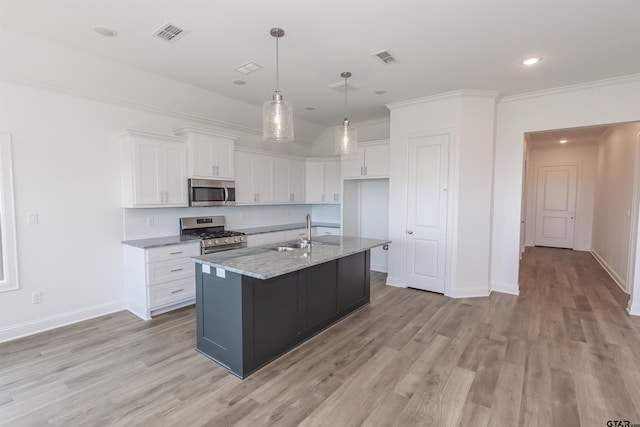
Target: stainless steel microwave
{"points": [[211, 192]]}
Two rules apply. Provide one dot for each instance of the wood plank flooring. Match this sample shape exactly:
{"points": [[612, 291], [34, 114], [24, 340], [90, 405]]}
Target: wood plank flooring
{"points": [[563, 353]]}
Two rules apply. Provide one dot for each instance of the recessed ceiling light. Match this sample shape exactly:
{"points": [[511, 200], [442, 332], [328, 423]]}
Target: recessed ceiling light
{"points": [[531, 61], [563, 141], [105, 31], [310, 108], [380, 92], [239, 82]]}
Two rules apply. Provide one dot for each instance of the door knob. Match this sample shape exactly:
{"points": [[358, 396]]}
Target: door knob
{"points": [[409, 232]]}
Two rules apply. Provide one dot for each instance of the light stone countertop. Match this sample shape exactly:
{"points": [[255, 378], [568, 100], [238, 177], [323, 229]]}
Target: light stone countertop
{"points": [[264, 263], [283, 227], [156, 242]]}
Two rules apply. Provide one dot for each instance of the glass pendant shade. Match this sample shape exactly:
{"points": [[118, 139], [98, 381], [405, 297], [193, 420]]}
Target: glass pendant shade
{"points": [[277, 114], [346, 139], [277, 120]]}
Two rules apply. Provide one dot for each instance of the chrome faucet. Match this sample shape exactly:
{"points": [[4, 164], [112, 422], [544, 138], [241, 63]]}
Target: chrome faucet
{"points": [[309, 229]]}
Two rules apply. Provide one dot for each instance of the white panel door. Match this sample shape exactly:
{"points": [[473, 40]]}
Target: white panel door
{"points": [[555, 205], [427, 212]]}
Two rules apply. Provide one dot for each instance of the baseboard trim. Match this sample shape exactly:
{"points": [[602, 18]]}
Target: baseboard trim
{"points": [[612, 273], [395, 282], [379, 268], [477, 292], [634, 310], [505, 288], [52, 322]]}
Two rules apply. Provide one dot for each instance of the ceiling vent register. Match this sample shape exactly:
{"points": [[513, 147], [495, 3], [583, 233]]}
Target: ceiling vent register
{"points": [[170, 32], [384, 56]]}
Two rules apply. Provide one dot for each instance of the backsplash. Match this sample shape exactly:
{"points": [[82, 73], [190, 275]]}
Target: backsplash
{"points": [[146, 223]]}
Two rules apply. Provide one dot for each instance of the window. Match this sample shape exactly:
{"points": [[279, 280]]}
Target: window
{"points": [[8, 253]]}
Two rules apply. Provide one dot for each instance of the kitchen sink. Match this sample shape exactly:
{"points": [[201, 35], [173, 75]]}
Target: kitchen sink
{"points": [[286, 247]]}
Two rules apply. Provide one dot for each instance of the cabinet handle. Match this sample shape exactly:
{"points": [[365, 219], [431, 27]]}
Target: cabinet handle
{"points": [[175, 253], [362, 170], [177, 269], [365, 171], [177, 291], [323, 197], [217, 170]]}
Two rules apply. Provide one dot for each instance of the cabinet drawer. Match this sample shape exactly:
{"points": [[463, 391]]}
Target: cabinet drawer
{"points": [[172, 252], [171, 293], [165, 271], [327, 231]]}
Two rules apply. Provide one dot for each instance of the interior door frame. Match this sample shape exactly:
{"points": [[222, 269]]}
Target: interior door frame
{"points": [[449, 264], [632, 288], [535, 194]]}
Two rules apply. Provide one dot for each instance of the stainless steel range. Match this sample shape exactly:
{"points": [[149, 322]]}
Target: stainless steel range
{"points": [[211, 230]]}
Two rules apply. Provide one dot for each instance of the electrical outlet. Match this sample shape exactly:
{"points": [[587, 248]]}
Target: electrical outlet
{"points": [[36, 297], [32, 218], [150, 220]]}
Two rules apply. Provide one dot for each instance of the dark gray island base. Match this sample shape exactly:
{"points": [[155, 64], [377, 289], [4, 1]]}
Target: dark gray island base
{"points": [[243, 323]]}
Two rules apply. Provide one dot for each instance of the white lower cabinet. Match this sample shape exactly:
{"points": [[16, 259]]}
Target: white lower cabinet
{"points": [[159, 279]]}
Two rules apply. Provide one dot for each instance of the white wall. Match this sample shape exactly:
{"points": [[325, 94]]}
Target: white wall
{"points": [[612, 101], [63, 109], [585, 157], [614, 194], [470, 114]]}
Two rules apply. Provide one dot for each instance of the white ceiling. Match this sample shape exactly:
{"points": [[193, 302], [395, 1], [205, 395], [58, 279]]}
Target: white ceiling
{"points": [[439, 45], [550, 139]]}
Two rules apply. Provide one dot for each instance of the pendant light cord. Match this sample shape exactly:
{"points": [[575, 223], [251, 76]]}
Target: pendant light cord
{"points": [[345, 97], [277, 66]]}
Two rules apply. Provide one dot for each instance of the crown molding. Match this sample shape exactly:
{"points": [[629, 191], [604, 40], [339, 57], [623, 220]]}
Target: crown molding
{"points": [[137, 105], [186, 130], [252, 150], [573, 88], [453, 94]]}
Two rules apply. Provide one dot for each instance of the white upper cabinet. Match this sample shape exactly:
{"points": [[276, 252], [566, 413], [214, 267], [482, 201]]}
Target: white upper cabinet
{"points": [[254, 178], [154, 170], [371, 161], [289, 180], [211, 153], [323, 181]]}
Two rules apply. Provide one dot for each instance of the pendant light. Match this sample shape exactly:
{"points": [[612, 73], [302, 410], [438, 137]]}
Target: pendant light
{"points": [[346, 136], [277, 114]]}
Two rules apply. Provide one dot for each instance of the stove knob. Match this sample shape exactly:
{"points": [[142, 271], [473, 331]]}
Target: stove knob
{"points": [[236, 239], [242, 238], [216, 242], [226, 240]]}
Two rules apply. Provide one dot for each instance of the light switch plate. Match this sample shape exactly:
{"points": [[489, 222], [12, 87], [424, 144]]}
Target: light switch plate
{"points": [[32, 218]]}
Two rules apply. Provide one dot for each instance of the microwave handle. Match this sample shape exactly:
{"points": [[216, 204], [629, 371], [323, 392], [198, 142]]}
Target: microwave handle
{"points": [[226, 194]]}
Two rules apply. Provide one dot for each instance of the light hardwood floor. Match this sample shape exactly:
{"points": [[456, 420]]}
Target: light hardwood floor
{"points": [[563, 353]]}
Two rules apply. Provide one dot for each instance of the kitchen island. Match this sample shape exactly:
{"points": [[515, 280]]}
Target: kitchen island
{"points": [[255, 304]]}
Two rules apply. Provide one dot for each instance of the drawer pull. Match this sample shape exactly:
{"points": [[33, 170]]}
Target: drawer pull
{"points": [[175, 253], [177, 269], [177, 291]]}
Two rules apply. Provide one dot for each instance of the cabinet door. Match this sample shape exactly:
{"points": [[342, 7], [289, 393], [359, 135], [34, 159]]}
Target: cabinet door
{"points": [[175, 162], [148, 173], [318, 297], [315, 182], [376, 161], [223, 159], [353, 281], [201, 154], [244, 178], [281, 180], [297, 180], [332, 181], [353, 165], [263, 178]]}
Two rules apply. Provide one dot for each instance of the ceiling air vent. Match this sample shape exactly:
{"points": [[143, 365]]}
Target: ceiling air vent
{"points": [[169, 32], [384, 56]]}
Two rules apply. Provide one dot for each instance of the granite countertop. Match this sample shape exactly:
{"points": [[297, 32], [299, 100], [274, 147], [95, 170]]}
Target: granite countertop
{"points": [[264, 263], [283, 227], [156, 242]]}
